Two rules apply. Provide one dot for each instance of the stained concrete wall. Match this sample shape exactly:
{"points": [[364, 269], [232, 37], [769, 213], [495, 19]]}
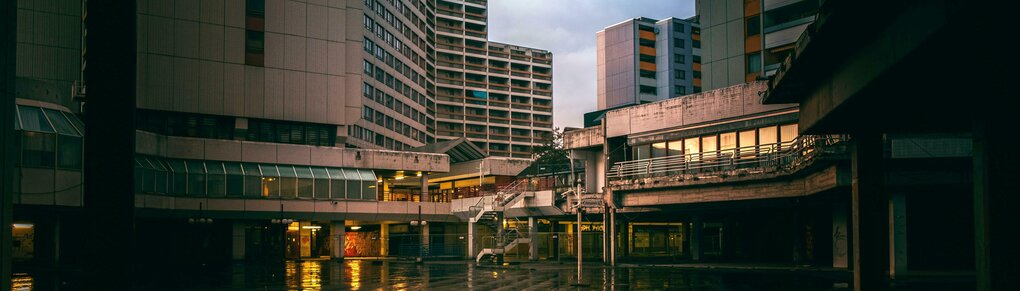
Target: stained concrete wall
{"points": [[260, 152], [716, 105], [583, 138]]}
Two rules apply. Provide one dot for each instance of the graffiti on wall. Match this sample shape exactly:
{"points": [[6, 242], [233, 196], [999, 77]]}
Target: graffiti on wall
{"points": [[362, 244]]}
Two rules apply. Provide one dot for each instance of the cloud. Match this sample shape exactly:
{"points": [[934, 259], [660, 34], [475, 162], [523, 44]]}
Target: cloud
{"points": [[567, 29]]}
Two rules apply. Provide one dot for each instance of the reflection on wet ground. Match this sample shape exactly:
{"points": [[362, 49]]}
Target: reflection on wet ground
{"points": [[371, 275], [460, 275]]}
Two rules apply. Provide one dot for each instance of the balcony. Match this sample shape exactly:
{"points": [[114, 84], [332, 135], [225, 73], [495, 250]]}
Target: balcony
{"points": [[761, 161]]}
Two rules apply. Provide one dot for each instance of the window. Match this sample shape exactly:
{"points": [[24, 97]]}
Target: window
{"points": [[255, 7], [38, 149], [254, 47], [367, 90], [679, 59], [788, 132], [648, 90], [642, 152], [697, 59], [752, 25], [678, 42], [696, 74], [676, 148], [368, 67], [754, 63], [291, 132], [709, 145], [658, 149], [647, 74], [681, 90], [369, 45], [747, 141], [692, 147], [678, 27], [767, 137], [681, 74]]}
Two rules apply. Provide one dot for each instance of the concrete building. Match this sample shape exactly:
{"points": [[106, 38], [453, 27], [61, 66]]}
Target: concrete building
{"points": [[644, 60], [968, 185], [498, 96], [248, 130], [747, 40]]}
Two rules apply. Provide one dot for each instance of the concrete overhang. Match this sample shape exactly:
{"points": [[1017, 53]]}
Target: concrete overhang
{"points": [[234, 208], [490, 166], [260, 152]]}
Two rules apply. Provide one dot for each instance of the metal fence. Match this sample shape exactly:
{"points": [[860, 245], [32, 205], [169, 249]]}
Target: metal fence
{"points": [[762, 158]]}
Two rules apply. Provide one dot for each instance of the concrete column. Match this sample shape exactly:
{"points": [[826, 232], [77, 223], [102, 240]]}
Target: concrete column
{"points": [[696, 229], [898, 233], [995, 200], [533, 236], [870, 214], [840, 233], [611, 228], [797, 236], [337, 235], [384, 239], [471, 250], [425, 237], [237, 251], [425, 195]]}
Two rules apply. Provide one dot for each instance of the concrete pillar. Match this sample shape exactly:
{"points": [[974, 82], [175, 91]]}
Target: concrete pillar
{"points": [[471, 249], [898, 234], [870, 214], [796, 236], [533, 235], [337, 235], [425, 195], [840, 234], [237, 251], [611, 228], [425, 237], [384, 239], [696, 230], [995, 200]]}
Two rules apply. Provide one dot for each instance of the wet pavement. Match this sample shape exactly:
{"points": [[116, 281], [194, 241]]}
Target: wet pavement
{"points": [[372, 275], [462, 275]]}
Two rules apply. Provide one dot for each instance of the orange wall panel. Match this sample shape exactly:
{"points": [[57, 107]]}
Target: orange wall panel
{"points": [[648, 66], [752, 43], [646, 34]]}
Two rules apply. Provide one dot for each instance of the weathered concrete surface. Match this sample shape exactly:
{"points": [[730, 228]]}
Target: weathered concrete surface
{"points": [[499, 166], [583, 138], [260, 152], [720, 104], [719, 189]]}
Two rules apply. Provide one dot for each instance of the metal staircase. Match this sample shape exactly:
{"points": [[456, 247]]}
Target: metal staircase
{"points": [[487, 212]]}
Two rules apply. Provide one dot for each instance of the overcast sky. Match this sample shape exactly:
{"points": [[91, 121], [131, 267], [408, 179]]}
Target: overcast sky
{"points": [[567, 29]]}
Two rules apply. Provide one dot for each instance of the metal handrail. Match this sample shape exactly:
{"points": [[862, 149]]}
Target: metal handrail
{"points": [[768, 156]]}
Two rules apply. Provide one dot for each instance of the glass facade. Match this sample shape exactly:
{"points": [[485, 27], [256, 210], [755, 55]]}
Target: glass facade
{"points": [[744, 143], [48, 138], [231, 179]]}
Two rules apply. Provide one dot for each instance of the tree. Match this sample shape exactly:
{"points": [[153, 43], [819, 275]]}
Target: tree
{"points": [[551, 151]]}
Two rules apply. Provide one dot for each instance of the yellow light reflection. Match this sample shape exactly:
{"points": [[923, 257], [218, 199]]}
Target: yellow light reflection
{"points": [[21, 282], [355, 267], [311, 275]]}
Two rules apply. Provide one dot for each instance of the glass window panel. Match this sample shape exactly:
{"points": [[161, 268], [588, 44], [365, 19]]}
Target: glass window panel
{"points": [[676, 148], [692, 147], [287, 171], [353, 184], [368, 185], [38, 149], [17, 120], [338, 185], [641, 152], [304, 187], [303, 172], [180, 177], [162, 174], [217, 179], [788, 132], [658, 149], [32, 119], [747, 141], [767, 137], [270, 181], [235, 179], [252, 180], [69, 152], [709, 145], [196, 178], [59, 123], [76, 122], [144, 176], [320, 189]]}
